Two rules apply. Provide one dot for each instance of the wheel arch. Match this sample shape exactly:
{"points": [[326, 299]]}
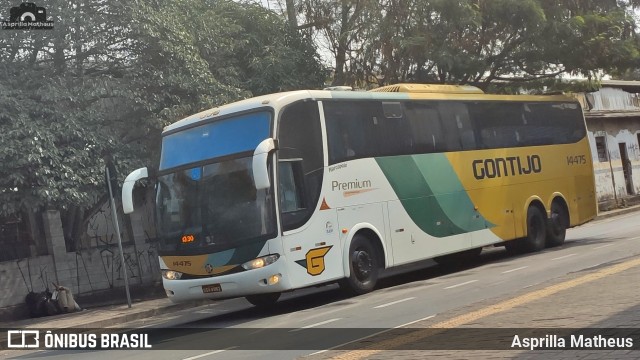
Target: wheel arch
{"points": [[374, 236], [532, 201], [560, 199]]}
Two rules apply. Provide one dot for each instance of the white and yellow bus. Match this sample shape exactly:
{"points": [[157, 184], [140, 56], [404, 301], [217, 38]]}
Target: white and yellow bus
{"points": [[295, 189]]}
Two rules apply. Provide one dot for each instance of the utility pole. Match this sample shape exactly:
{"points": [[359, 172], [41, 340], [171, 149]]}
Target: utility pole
{"points": [[112, 182]]}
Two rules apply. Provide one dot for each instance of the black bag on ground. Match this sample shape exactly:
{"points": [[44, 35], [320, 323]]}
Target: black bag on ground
{"points": [[40, 304]]}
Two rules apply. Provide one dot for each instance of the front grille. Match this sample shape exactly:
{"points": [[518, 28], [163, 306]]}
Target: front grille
{"points": [[236, 269]]}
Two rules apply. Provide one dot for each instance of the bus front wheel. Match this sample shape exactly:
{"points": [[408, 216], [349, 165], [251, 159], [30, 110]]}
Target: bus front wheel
{"points": [[363, 266], [263, 300]]}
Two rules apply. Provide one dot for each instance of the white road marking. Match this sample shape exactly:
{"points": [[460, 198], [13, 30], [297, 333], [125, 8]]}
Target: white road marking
{"points": [[413, 322], [393, 303], [603, 246], [209, 353], [563, 257], [372, 335], [316, 324], [464, 283], [318, 352], [516, 269]]}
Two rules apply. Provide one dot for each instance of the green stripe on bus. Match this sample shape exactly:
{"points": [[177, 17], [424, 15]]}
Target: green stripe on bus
{"points": [[432, 194]]}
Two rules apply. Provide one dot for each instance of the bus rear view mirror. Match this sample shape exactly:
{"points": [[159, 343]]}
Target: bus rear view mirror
{"points": [[127, 188], [260, 159]]}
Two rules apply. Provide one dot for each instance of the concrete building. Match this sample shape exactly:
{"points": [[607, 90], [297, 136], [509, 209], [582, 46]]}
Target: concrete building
{"points": [[613, 124]]}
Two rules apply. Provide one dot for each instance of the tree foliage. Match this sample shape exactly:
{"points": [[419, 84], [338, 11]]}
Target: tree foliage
{"points": [[473, 41], [111, 74]]}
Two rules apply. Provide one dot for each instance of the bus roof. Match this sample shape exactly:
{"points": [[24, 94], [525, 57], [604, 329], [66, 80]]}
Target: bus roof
{"points": [[402, 92], [430, 88]]}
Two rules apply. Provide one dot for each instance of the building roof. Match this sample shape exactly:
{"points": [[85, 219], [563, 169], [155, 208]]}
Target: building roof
{"points": [[629, 86]]}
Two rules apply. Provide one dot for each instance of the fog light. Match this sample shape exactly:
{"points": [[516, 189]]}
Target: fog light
{"points": [[273, 279], [169, 293]]}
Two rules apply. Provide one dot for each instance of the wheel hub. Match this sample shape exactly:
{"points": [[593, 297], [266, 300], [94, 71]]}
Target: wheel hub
{"points": [[556, 225], [361, 264]]}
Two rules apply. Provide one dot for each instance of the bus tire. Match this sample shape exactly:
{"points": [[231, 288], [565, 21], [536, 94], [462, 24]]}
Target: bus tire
{"points": [[263, 300], [557, 225], [514, 247], [536, 231], [363, 267]]}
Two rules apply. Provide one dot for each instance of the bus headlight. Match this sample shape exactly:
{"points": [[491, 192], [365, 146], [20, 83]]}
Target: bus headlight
{"points": [[260, 262], [171, 275]]}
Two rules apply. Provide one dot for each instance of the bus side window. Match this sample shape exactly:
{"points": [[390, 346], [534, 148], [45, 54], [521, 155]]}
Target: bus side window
{"points": [[351, 130], [291, 185], [426, 129], [392, 131], [459, 133], [498, 125]]}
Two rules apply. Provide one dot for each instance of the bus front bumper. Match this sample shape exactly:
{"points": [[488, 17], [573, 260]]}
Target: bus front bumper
{"points": [[258, 281]]}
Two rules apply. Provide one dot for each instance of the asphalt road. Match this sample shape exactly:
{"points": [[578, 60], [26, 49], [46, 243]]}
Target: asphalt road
{"points": [[316, 319]]}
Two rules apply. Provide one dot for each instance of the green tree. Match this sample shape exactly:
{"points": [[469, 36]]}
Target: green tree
{"points": [[476, 41], [112, 74]]}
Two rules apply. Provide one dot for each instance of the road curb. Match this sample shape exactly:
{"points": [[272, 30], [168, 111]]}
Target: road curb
{"points": [[125, 315], [137, 315], [610, 214], [125, 318]]}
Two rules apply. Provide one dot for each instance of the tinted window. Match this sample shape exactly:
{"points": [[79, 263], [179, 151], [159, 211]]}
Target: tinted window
{"points": [[351, 129], [426, 127], [300, 147], [526, 124], [215, 139], [358, 129]]}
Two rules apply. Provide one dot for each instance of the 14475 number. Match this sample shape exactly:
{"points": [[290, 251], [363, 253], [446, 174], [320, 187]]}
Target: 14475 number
{"points": [[576, 160]]}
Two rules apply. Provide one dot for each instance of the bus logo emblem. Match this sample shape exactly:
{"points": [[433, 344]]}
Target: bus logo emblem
{"points": [[208, 268], [314, 260]]}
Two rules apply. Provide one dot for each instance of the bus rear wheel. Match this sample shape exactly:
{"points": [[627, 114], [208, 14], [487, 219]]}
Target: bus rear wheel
{"points": [[363, 266], [263, 300], [536, 230], [557, 225]]}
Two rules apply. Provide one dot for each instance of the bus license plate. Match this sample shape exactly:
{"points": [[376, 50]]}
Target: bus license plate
{"points": [[211, 288]]}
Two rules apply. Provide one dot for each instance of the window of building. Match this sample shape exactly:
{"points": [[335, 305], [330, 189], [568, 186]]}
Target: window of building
{"points": [[601, 147], [15, 238]]}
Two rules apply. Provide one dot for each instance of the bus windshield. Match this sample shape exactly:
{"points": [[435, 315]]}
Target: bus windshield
{"points": [[211, 208], [230, 136]]}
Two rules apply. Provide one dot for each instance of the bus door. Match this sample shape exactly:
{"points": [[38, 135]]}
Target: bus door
{"points": [[309, 232], [312, 249]]}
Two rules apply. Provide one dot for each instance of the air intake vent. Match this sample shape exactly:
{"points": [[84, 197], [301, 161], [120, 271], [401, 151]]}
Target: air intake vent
{"points": [[430, 88]]}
